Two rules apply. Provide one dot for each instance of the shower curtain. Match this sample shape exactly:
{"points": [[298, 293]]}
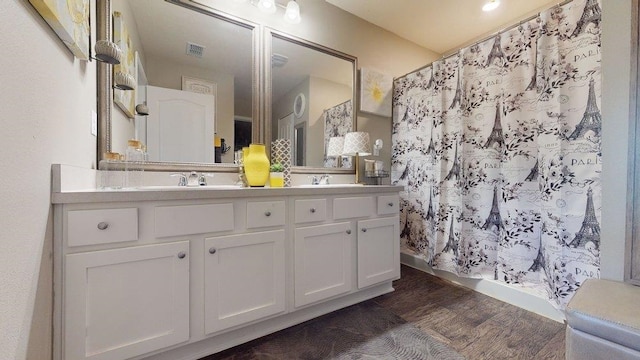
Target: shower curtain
{"points": [[498, 148]]}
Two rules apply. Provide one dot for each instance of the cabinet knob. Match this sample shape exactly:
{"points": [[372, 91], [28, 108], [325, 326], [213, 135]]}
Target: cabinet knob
{"points": [[364, 230], [390, 204], [313, 210], [103, 225], [212, 250], [182, 255], [349, 232], [267, 213]]}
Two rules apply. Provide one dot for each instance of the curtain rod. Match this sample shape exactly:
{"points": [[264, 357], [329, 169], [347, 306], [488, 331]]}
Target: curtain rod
{"points": [[504, 29]]}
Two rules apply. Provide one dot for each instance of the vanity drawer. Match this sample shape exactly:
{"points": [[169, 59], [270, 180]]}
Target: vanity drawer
{"points": [[388, 204], [104, 226], [352, 207], [193, 219], [310, 210], [265, 214]]}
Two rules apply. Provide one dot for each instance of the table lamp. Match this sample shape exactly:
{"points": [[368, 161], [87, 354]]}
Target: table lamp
{"points": [[334, 149], [357, 144]]}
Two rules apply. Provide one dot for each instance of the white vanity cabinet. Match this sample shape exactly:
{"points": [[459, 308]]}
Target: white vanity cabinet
{"points": [[182, 274], [120, 298], [125, 302], [245, 273], [358, 238]]}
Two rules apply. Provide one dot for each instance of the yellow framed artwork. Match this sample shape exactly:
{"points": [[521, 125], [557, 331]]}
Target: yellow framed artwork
{"points": [[69, 19], [125, 99], [375, 92]]}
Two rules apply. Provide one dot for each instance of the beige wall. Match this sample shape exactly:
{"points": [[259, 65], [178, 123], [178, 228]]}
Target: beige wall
{"points": [[46, 102], [323, 94], [46, 99]]}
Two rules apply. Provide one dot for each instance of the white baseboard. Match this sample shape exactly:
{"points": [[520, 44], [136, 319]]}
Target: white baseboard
{"points": [[495, 289]]}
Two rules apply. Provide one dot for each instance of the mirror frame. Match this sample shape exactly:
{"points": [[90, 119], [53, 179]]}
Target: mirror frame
{"points": [[269, 35], [105, 90]]}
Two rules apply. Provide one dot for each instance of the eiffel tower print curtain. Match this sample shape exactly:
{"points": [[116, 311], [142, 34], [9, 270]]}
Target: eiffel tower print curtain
{"points": [[498, 148]]}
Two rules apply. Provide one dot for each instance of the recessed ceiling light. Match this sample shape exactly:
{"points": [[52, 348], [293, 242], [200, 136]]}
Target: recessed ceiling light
{"points": [[491, 5]]}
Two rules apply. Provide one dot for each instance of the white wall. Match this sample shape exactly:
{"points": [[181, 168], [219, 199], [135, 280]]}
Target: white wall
{"points": [[46, 99]]}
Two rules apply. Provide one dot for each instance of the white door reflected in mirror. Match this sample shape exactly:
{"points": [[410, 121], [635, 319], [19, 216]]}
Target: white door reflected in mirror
{"points": [[180, 126]]}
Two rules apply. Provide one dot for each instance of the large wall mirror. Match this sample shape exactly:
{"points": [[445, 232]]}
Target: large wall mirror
{"points": [[187, 50], [197, 70], [310, 99]]}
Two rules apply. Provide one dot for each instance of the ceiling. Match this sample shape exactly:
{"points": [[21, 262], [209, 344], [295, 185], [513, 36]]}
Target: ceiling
{"points": [[441, 25]]}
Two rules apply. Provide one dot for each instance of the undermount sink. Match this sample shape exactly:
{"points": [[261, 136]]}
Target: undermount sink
{"points": [[328, 185], [176, 187]]}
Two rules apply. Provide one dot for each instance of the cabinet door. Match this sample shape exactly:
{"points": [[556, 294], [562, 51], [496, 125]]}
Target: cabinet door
{"points": [[378, 251], [322, 261], [126, 302], [244, 278]]}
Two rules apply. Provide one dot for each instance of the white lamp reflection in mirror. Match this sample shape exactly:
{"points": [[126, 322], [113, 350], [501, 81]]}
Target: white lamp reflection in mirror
{"points": [[357, 144], [292, 12], [334, 149]]}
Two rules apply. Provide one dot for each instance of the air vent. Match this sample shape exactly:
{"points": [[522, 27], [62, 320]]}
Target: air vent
{"points": [[278, 60], [195, 50]]}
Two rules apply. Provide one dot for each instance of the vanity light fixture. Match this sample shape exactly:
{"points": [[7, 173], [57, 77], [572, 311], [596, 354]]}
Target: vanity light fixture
{"points": [[491, 5], [267, 6], [292, 12], [357, 144]]}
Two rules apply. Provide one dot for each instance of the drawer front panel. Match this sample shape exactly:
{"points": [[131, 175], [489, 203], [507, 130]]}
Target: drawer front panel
{"points": [[388, 204], [193, 219], [265, 214], [104, 226], [310, 210], [352, 207]]}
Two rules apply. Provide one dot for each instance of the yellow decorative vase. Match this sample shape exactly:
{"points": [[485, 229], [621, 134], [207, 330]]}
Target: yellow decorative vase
{"points": [[256, 165]]}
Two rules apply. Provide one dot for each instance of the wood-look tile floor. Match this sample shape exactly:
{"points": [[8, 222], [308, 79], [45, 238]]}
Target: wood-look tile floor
{"points": [[475, 325]]}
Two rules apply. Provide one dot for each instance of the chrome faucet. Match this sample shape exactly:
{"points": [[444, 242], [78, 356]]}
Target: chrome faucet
{"points": [[320, 179], [193, 179], [182, 179]]}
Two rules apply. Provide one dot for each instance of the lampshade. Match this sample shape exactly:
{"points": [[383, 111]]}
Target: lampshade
{"points": [[357, 143], [292, 12], [336, 144], [268, 6]]}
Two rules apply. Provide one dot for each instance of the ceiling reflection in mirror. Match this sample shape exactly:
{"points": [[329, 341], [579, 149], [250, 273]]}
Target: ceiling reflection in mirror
{"points": [[312, 94], [200, 74]]}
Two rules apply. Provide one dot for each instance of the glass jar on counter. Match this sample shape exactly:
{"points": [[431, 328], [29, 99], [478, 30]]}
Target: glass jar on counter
{"points": [[110, 178], [134, 158]]}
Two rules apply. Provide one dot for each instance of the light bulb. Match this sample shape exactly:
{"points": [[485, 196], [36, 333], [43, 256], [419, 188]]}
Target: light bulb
{"points": [[292, 13], [267, 6], [491, 5]]}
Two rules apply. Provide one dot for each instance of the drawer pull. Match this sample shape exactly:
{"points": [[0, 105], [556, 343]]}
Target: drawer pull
{"points": [[267, 213], [313, 210], [349, 232], [103, 225], [182, 255], [212, 250], [390, 204], [364, 229]]}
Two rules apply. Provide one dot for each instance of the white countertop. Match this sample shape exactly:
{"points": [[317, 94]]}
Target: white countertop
{"points": [[190, 193]]}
